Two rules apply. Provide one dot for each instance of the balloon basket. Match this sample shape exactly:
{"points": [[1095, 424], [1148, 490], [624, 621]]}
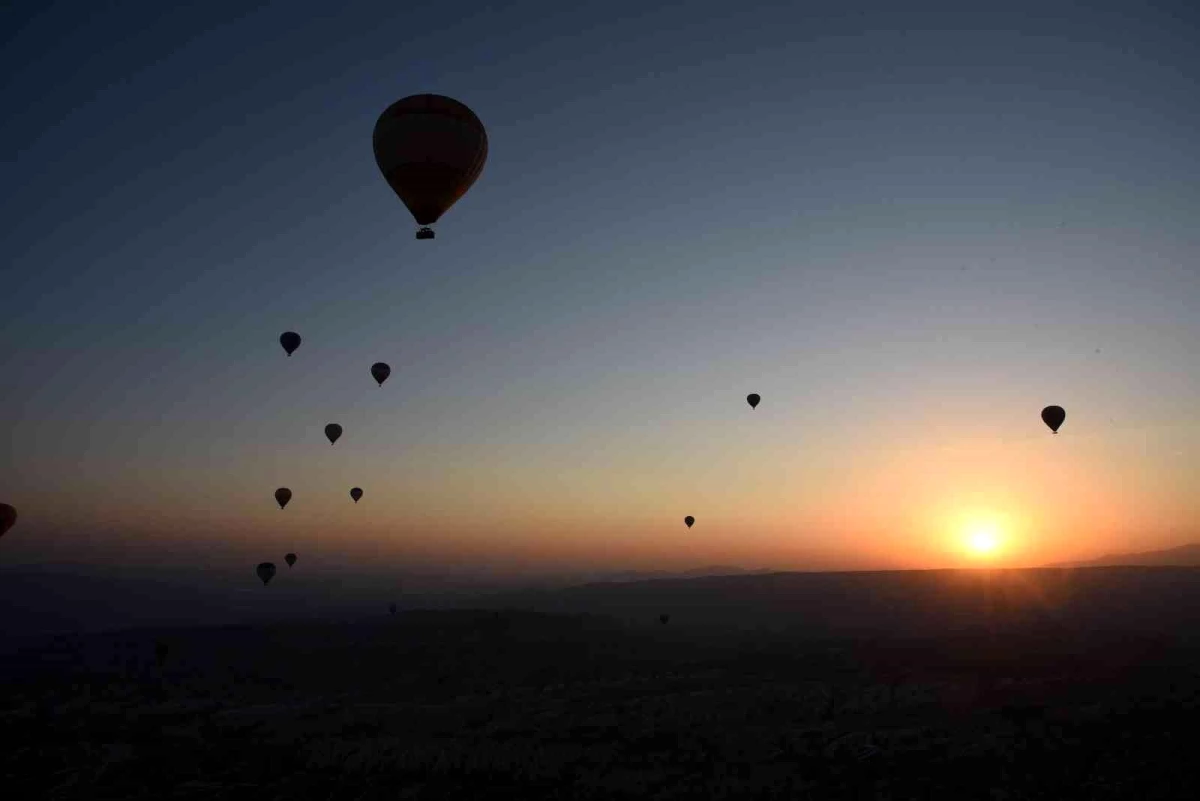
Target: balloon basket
{"points": [[425, 233]]}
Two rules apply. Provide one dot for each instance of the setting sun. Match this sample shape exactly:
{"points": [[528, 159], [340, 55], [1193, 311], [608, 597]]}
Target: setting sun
{"points": [[983, 540]]}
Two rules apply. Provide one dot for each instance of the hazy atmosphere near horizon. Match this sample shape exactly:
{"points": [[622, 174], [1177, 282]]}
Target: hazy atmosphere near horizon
{"points": [[908, 226]]}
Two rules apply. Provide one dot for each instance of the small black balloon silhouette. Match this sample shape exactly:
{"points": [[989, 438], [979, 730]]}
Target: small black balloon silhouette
{"points": [[392, 608], [290, 341], [333, 431], [265, 571], [664, 619], [380, 372], [689, 520], [8, 518], [282, 496], [290, 559], [1053, 416], [753, 400], [356, 493]]}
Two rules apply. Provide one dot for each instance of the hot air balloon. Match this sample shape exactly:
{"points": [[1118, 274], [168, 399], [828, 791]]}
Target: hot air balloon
{"points": [[392, 608], [266, 572], [1054, 416], [380, 372], [333, 431], [664, 619], [753, 400], [290, 559], [430, 150], [160, 652], [356, 493], [689, 520], [290, 341], [8, 517], [282, 496]]}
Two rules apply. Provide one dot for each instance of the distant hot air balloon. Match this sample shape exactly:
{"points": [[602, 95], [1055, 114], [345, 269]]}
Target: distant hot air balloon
{"points": [[160, 652], [689, 520], [290, 341], [664, 619], [8, 517], [290, 559], [380, 372], [753, 400], [333, 431], [430, 150], [282, 496], [266, 572], [356, 493], [1054, 416], [392, 608]]}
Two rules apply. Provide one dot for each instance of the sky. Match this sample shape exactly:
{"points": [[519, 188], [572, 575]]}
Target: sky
{"points": [[908, 227]]}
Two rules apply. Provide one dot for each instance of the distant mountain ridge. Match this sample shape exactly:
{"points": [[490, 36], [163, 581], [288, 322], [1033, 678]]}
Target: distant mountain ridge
{"points": [[646, 575], [1183, 556], [1136, 600]]}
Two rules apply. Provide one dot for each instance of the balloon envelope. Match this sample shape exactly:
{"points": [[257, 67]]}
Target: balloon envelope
{"points": [[356, 493], [380, 372], [392, 608], [333, 431], [282, 496], [430, 149], [8, 517], [1054, 416], [663, 619], [290, 341], [290, 559], [266, 572], [689, 520], [753, 400]]}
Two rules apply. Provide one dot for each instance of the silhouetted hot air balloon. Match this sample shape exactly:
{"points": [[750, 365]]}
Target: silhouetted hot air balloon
{"points": [[290, 559], [1054, 416], [689, 520], [290, 341], [282, 496], [8, 517], [430, 150], [753, 400], [664, 619], [356, 493], [380, 372], [266, 572], [392, 608], [333, 431], [160, 652]]}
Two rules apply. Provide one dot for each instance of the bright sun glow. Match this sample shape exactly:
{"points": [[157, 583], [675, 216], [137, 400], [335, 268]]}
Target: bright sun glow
{"points": [[983, 540]]}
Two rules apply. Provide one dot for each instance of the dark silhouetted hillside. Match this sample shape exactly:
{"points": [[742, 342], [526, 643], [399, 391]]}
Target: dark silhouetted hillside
{"points": [[896, 603], [1183, 556], [509, 704]]}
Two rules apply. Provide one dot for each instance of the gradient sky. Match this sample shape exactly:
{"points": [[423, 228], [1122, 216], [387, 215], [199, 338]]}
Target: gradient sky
{"points": [[907, 229]]}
